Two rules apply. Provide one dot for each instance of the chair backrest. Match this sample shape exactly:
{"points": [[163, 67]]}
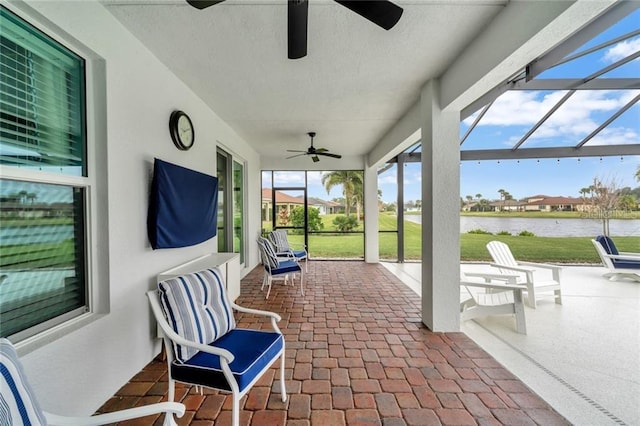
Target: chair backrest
{"points": [[606, 261], [279, 238], [268, 253], [501, 253], [197, 307], [18, 404], [607, 244]]}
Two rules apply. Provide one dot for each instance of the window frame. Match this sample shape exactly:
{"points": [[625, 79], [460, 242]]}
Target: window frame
{"points": [[229, 203], [95, 195]]}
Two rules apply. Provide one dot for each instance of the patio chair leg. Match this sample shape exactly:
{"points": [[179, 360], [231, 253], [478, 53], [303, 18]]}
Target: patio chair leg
{"points": [[558, 297], [283, 386], [168, 418], [531, 297], [302, 281], [235, 411], [268, 287]]}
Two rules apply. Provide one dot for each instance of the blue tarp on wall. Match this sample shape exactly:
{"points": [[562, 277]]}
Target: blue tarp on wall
{"points": [[182, 207]]}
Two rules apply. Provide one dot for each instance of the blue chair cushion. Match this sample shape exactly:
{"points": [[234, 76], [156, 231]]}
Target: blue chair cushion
{"points": [[253, 351], [626, 264], [299, 254], [197, 308], [285, 267], [607, 244], [610, 248], [18, 405]]}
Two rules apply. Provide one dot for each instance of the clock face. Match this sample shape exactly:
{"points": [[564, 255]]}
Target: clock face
{"points": [[181, 129]]}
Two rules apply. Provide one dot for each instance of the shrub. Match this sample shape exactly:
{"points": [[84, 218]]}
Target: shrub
{"points": [[526, 234], [504, 233], [479, 231], [314, 220], [345, 223]]}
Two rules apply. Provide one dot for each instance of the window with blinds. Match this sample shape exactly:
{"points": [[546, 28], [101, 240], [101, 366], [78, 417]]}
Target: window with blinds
{"points": [[41, 101], [43, 280]]}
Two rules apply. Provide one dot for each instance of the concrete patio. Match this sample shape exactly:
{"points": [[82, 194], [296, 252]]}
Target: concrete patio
{"points": [[583, 357], [357, 354]]}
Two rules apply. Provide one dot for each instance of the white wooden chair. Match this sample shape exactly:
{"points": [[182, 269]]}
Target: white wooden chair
{"points": [[529, 273], [499, 295], [620, 264], [19, 406]]}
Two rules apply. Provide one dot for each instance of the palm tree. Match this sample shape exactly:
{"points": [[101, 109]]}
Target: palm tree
{"points": [[352, 186], [638, 174], [502, 193], [469, 199]]}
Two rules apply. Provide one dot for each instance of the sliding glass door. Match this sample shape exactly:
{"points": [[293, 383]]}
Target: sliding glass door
{"points": [[230, 204]]}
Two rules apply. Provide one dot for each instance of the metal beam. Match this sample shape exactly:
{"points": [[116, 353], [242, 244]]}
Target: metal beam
{"points": [[579, 84], [609, 121], [544, 118], [400, 206], [598, 47], [517, 82], [475, 122], [560, 152], [553, 57], [529, 153]]}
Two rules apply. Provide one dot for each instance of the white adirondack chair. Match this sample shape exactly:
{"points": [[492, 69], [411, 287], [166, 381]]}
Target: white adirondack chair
{"points": [[529, 273], [499, 295]]}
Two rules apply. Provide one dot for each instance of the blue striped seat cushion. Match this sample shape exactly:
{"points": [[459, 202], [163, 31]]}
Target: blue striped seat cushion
{"points": [[253, 350], [18, 405], [197, 308]]}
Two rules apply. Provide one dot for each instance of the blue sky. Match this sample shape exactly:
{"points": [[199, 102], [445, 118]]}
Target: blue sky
{"points": [[515, 112]]}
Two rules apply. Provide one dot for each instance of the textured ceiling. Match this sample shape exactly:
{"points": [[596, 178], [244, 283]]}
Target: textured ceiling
{"points": [[355, 83]]}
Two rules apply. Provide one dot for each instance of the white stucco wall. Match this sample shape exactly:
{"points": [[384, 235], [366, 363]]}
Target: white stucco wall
{"points": [[78, 372]]}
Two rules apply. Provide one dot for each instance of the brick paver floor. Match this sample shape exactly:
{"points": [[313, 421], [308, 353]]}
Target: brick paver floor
{"points": [[356, 354]]}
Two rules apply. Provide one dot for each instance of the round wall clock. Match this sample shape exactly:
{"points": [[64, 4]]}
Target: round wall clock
{"points": [[181, 129]]}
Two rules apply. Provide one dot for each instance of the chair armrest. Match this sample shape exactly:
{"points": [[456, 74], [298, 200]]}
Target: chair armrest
{"points": [[541, 265], [175, 337], [629, 255], [118, 416], [623, 257], [488, 276], [256, 311], [274, 317], [498, 286], [512, 268]]}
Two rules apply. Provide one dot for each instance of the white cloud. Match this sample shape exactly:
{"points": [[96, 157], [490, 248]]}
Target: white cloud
{"points": [[576, 118], [388, 179], [621, 50], [286, 178], [615, 136]]}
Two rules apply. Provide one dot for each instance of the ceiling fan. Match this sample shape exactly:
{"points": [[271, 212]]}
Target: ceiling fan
{"points": [[381, 12], [314, 152]]}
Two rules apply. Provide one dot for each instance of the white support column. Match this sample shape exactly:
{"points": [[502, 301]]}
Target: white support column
{"points": [[371, 251], [440, 213]]}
